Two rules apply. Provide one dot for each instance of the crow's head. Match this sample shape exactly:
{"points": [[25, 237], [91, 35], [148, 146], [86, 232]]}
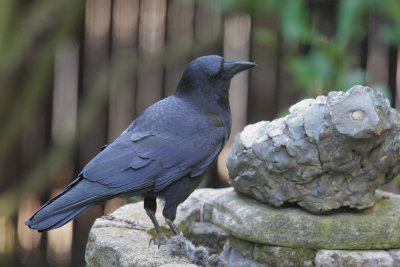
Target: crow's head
{"points": [[210, 75]]}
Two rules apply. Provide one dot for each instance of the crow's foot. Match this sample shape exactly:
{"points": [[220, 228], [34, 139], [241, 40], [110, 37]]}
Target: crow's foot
{"points": [[159, 240]]}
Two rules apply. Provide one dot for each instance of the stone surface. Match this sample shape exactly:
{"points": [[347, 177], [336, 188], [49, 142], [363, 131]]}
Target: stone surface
{"points": [[328, 153], [113, 246], [360, 258], [182, 247], [238, 252], [197, 208], [118, 241], [248, 219], [235, 258], [260, 235], [122, 238], [208, 235]]}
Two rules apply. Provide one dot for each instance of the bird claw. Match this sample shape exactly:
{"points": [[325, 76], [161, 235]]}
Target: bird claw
{"points": [[158, 240]]}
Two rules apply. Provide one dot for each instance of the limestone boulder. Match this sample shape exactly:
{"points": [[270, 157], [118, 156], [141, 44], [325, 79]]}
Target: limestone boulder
{"points": [[330, 152]]}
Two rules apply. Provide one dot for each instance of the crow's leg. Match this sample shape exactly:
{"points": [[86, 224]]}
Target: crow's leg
{"points": [[169, 213], [172, 226], [150, 205], [174, 195]]}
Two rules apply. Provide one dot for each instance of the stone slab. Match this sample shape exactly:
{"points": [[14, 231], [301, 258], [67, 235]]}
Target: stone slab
{"points": [[239, 252], [248, 219], [358, 258]]}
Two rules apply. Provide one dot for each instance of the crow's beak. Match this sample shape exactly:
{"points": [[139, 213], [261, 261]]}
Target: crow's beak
{"points": [[233, 67]]}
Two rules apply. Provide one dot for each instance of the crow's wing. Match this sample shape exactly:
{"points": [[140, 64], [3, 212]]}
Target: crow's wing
{"points": [[120, 168], [161, 146], [191, 157], [157, 150], [152, 160]]}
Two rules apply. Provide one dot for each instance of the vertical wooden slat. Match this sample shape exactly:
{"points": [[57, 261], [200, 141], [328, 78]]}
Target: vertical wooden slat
{"points": [[122, 91], [65, 93], [59, 242], [65, 105], [207, 29], [7, 236], [97, 27], [207, 21], [151, 40], [392, 73], [377, 62], [397, 104], [323, 17], [262, 96], [33, 146], [63, 127], [180, 36], [93, 135], [236, 47], [28, 240]]}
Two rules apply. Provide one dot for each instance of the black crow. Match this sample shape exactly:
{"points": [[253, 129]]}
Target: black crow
{"points": [[163, 153]]}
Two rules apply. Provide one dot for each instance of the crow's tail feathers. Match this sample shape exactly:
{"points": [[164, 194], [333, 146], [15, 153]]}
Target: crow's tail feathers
{"points": [[67, 205], [55, 221]]}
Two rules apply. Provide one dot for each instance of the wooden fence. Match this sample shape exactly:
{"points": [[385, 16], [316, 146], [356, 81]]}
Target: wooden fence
{"points": [[127, 55]]}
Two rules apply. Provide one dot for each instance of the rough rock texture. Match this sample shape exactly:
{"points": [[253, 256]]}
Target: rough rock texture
{"points": [[182, 247], [122, 238], [259, 235], [115, 246], [207, 235], [248, 219], [196, 209], [239, 252], [366, 258], [117, 240], [329, 152]]}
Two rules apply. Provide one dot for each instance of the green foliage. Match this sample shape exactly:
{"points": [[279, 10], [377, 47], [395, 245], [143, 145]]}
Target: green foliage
{"points": [[294, 21], [349, 20], [329, 63], [397, 180], [264, 36]]}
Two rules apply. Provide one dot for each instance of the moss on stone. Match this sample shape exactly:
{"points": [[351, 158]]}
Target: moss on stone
{"points": [[248, 219]]}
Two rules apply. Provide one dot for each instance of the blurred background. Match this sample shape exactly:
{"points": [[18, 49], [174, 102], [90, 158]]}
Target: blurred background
{"points": [[74, 74]]}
